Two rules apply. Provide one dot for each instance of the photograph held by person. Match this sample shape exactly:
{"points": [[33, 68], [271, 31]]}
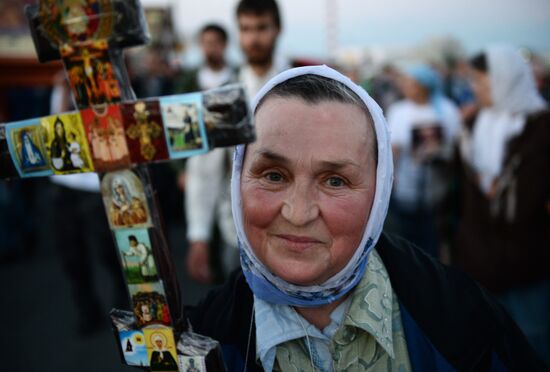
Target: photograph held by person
{"points": [[503, 239], [207, 176], [424, 127], [321, 288]]}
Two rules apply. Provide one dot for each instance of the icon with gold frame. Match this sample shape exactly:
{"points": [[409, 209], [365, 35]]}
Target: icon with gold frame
{"points": [[26, 144], [125, 200], [66, 143]]}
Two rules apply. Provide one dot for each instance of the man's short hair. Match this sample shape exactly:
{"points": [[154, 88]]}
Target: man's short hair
{"points": [[214, 27], [315, 89], [479, 62], [260, 7]]}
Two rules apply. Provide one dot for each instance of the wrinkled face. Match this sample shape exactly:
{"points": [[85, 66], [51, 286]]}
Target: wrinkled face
{"points": [[213, 47], [482, 87], [257, 35], [307, 187]]}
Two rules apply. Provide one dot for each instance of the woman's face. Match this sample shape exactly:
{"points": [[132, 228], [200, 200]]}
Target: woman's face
{"points": [[482, 87], [59, 130], [26, 139], [307, 187], [120, 190]]}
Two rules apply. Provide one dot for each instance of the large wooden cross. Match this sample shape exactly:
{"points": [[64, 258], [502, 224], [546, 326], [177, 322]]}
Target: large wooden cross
{"points": [[116, 135]]}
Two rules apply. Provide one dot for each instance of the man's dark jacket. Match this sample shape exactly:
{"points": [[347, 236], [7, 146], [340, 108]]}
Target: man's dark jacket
{"points": [[450, 322]]}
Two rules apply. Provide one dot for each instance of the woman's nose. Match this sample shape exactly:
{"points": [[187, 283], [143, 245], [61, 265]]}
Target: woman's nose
{"points": [[300, 207]]}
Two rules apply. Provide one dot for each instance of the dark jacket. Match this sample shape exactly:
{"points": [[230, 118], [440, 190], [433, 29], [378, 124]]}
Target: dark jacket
{"points": [[450, 322], [505, 242]]}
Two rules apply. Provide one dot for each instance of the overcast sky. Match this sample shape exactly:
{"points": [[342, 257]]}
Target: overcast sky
{"points": [[364, 23]]}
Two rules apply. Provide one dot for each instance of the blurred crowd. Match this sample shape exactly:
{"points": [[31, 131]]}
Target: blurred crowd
{"points": [[471, 144]]}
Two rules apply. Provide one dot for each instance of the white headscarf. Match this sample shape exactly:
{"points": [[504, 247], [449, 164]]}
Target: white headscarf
{"points": [[515, 96], [268, 286]]}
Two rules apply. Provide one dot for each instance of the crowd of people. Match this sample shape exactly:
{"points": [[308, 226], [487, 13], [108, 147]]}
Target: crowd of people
{"points": [[469, 148], [311, 279]]}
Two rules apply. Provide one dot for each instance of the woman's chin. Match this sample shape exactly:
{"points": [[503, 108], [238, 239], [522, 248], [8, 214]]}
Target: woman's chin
{"points": [[299, 276]]}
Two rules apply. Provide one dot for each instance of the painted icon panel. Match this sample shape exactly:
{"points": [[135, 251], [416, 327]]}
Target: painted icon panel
{"points": [[7, 166], [183, 125], [161, 349], [66, 143], [27, 148], [149, 304], [136, 255], [132, 343], [144, 131], [125, 200], [91, 74], [105, 134]]}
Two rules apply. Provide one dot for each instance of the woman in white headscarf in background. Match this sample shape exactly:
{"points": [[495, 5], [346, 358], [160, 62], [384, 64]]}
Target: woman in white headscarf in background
{"points": [[503, 239], [321, 288]]}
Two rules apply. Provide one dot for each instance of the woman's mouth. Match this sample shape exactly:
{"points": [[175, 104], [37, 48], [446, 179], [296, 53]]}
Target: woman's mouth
{"points": [[298, 243]]}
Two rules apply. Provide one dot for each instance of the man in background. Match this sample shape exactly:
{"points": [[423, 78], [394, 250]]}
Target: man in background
{"points": [[207, 177], [215, 71]]}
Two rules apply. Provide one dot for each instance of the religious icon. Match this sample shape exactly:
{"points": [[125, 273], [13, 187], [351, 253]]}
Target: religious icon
{"points": [[161, 349], [125, 200], [144, 131], [183, 125], [73, 22], [134, 247], [7, 166], [90, 74], [133, 347], [105, 133], [27, 148], [66, 143], [149, 304], [192, 363], [226, 116]]}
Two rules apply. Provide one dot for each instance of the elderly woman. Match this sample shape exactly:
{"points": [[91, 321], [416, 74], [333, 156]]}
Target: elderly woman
{"points": [[320, 288], [504, 237]]}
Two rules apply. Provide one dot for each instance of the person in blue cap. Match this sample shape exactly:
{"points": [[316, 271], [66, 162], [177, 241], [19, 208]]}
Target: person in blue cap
{"points": [[424, 127]]}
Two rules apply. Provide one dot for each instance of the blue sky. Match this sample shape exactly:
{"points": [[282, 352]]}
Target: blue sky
{"points": [[364, 23]]}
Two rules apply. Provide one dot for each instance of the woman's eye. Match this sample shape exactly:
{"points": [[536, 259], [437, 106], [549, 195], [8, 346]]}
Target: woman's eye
{"points": [[335, 182], [273, 177]]}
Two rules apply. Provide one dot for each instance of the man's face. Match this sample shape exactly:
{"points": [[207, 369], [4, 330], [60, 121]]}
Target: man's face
{"points": [[307, 187], [257, 35], [213, 47]]}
